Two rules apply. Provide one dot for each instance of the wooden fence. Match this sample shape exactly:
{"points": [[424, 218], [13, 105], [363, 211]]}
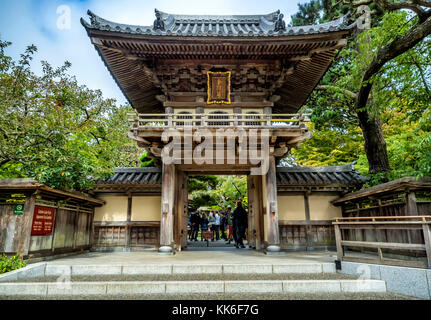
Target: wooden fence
{"points": [[414, 251]]}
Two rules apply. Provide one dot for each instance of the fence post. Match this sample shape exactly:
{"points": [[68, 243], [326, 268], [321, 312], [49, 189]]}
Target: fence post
{"points": [[427, 237], [338, 239]]}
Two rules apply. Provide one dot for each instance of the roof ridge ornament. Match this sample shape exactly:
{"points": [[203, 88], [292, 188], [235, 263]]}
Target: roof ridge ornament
{"points": [[93, 19], [280, 25], [159, 24]]}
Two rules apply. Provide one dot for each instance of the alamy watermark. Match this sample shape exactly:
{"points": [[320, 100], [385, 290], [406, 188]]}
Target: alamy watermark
{"points": [[364, 19], [64, 19]]}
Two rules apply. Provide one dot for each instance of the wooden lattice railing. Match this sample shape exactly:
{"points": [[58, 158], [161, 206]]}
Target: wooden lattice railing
{"points": [[293, 121], [417, 228]]}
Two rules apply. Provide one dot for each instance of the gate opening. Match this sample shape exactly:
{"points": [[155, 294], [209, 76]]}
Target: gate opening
{"points": [[211, 224]]}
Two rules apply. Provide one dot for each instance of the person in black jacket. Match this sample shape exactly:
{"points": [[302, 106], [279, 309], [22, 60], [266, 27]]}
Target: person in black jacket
{"points": [[195, 219], [240, 223]]}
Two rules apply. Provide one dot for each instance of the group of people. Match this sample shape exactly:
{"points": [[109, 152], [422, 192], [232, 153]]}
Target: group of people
{"points": [[226, 225]]}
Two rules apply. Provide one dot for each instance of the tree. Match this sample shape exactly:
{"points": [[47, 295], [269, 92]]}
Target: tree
{"points": [[217, 191], [334, 103], [375, 145], [56, 131]]}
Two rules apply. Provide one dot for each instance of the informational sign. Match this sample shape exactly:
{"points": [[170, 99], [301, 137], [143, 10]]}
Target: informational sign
{"points": [[43, 221], [18, 209], [219, 87]]}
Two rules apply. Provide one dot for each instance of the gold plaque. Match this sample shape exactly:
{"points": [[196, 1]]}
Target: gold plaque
{"points": [[219, 87]]}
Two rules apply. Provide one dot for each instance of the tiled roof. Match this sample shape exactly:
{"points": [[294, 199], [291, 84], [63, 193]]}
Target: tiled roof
{"points": [[311, 176], [211, 25], [288, 176], [134, 176]]}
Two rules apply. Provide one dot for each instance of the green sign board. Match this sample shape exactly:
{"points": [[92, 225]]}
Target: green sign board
{"points": [[19, 209]]}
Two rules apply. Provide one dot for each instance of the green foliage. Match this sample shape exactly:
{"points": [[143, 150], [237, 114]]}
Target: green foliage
{"points": [[56, 131], [11, 263], [217, 191], [146, 161], [400, 96]]}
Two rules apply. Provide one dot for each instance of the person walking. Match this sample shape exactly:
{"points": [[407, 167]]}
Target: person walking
{"points": [[196, 221], [240, 222], [204, 225], [217, 226], [229, 224], [211, 220], [223, 225]]}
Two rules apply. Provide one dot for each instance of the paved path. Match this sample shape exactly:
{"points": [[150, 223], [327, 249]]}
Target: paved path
{"points": [[212, 256]]}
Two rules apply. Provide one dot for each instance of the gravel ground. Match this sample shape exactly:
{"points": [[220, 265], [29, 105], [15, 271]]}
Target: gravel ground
{"points": [[238, 296], [199, 277]]}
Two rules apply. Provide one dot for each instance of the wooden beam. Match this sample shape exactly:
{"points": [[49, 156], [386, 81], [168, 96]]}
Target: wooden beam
{"points": [[24, 237]]}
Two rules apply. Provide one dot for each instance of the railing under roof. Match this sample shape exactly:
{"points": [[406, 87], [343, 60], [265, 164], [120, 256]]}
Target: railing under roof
{"points": [[215, 120]]}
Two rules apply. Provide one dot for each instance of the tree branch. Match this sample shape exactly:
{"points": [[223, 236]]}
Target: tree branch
{"points": [[346, 92], [398, 46]]}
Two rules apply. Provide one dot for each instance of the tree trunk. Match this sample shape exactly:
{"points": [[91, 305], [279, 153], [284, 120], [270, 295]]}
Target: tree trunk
{"points": [[375, 144]]}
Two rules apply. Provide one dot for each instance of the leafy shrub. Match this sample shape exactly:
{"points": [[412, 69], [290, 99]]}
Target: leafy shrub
{"points": [[10, 264]]}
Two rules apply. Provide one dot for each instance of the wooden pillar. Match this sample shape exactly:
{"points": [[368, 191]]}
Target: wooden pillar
{"points": [[251, 235], [25, 235], [76, 225], [308, 234], [128, 224], [414, 236], [168, 209], [411, 205], [338, 239], [427, 239], [180, 219], [271, 207]]}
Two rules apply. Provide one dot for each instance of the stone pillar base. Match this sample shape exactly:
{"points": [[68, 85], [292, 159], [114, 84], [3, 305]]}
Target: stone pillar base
{"points": [[274, 250], [166, 251]]}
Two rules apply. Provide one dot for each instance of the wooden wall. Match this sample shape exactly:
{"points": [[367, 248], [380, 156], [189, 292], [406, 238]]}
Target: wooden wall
{"points": [[397, 203], [127, 222], [306, 220], [71, 232], [114, 237]]}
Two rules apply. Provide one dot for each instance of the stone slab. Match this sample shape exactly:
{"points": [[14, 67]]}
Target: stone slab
{"points": [[408, 281], [195, 287], [363, 286], [77, 288], [197, 269], [362, 270], [311, 286], [28, 289], [32, 271], [96, 270], [147, 269], [253, 286], [124, 288], [57, 270], [298, 268], [328, 268], [247, 268]]}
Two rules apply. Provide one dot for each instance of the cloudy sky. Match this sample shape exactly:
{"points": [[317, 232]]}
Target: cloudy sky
{"points": [[42, 23]]}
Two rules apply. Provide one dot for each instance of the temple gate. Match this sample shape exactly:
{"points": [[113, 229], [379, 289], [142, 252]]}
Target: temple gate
{"points": [[218, 95]]}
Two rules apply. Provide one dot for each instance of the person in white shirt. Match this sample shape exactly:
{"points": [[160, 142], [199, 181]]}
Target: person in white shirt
{"points": [[217, 226]]}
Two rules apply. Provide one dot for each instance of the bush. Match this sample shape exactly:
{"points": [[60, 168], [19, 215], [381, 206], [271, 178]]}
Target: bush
{"points": [[10, 264]]}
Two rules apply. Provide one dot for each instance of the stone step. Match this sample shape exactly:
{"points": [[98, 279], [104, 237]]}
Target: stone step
{"points": [[163, 269], [188, 277], [190, 287]]}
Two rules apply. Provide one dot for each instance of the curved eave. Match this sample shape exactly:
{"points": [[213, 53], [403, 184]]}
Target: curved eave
{"points": [[264, 29]]}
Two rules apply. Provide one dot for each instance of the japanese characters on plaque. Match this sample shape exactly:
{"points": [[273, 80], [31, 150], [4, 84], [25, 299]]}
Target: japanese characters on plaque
{"points": [[219, 87], [43, 221]]}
